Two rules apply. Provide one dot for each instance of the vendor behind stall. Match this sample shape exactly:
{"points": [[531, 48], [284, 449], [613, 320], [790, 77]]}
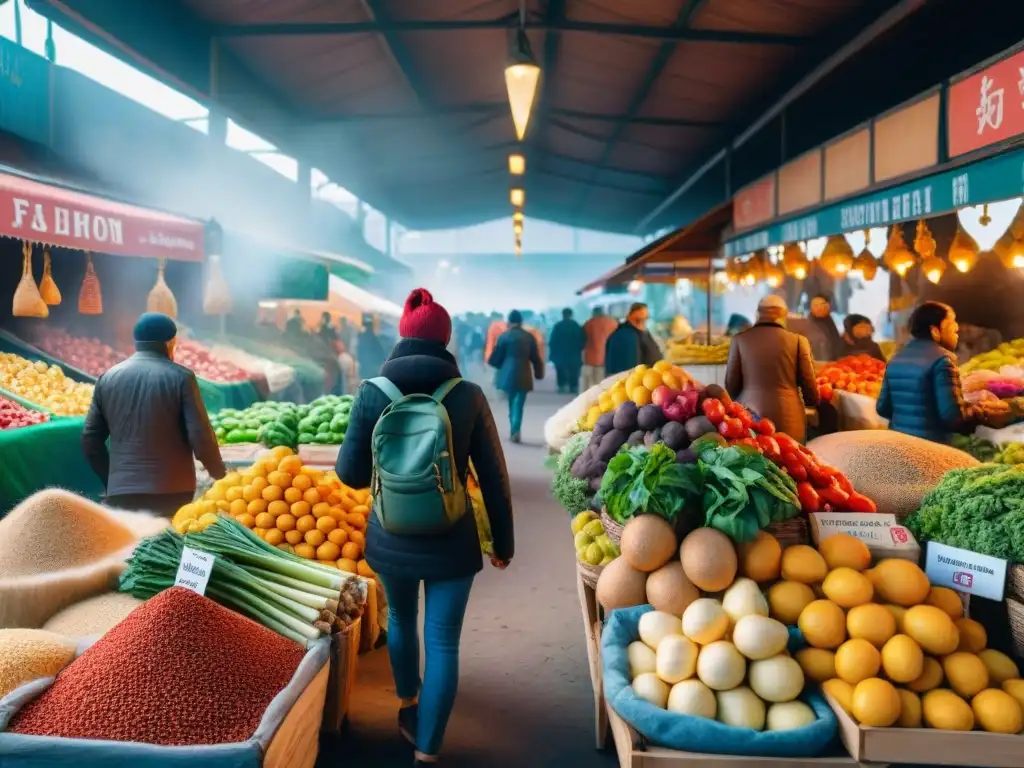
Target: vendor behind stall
{"points": [[856, 339], [150, 409], [631, 344], [826, 344], [921, 393]]}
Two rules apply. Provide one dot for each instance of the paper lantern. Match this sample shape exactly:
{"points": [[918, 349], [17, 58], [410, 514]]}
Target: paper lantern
{"points": [[963, 251], [794, 261], [837, 257], [897, 257]]}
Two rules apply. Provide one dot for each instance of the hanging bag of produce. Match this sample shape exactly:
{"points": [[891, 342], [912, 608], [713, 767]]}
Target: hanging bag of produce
{"points": [[27, 301], [160, 298], [47, 287], [217, 296], [90, 299]]}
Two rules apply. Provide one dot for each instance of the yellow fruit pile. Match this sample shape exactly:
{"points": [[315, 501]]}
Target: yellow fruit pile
{"points": [[698, 354], [1007, 353], [294, 507], [637, 387], [888, 647], [44, 385]]}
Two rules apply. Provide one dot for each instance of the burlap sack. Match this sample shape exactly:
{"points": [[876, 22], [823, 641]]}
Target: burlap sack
{"points": [[27, 301], [160, 298]]}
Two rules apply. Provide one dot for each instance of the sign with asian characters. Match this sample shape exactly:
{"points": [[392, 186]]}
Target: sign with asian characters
{"points": [[965, 571], [987, 107]]}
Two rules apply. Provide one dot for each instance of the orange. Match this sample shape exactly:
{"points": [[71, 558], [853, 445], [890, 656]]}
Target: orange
{"points": [[300, 508], [281, 479], [238, 507], [281, 452], [902, 659], [321, 508], [305, 523], [258, 471], [259, 483], [234, 494], [633, 381], [618, 397], [260, 533], [876, 703], [326, 524], [845, 551], [671, 381], [328, 551], [274, 536], [857, 660], [352, 551], [641, 396], [302, 482], [651, 380], [285, 522], [871, 622], [930, 678], [264, 520], [273, 493], [356, 521], [943, 598], [347, 564], [246, 519], [251, 492], [315, 537], [311, 496], [292, 495], [338, 536], [328, 563], [363, 569], [324, 491], [256, 506], [362, 509], [293, 537], [277, 508], [336, 498], [823, 624], [973, 637], [357, 537], [305, 550], [290, 464], [338, 513]]}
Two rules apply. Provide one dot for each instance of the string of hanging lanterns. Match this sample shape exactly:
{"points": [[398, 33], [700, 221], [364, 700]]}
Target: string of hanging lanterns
{"points": [[522, 76]]}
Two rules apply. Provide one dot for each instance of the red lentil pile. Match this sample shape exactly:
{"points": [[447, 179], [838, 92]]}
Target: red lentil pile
{"points": [[179, 670]]}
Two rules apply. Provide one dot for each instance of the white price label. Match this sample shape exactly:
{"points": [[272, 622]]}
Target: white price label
{"points": [[194, 570], [966, 571]]}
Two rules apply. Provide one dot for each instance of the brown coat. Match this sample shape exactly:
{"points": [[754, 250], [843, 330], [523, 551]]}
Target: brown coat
{"points": [[597, 330], [771, 372]]}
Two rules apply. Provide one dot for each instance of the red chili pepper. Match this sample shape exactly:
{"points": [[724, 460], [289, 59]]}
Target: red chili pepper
{"points": [[810, 502], [844, 481], [713, 410], [858, 502], [787, 443], [732, 429], [765, 427], [834, 495]]}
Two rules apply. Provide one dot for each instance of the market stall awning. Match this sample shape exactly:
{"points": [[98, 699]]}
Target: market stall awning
{"points": [[364, 299], [685, 252], [67, 218]]}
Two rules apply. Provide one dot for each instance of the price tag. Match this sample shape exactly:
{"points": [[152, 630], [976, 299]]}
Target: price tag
{"points": [[194, 570], [965, 571]]}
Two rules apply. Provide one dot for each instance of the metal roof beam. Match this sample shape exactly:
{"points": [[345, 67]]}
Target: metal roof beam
{"points": [[383, 24], [554, 12], [397, 50]]}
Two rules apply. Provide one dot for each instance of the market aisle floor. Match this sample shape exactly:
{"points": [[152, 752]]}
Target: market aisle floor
{"points": [[525, 699]]}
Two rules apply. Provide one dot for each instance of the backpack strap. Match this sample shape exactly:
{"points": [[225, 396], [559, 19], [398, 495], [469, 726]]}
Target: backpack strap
{"points": [[445, 389], [392, 392]]}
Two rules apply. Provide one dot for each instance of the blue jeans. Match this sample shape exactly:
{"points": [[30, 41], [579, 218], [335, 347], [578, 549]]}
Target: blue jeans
{"points": [[516, 404], [445, 608]]}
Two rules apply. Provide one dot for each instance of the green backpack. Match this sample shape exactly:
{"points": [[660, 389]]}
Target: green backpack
{"points": [[416, 487]]}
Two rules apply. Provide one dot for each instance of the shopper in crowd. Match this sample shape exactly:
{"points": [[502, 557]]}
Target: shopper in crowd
{"points": [[326, 330], [349, 371], [596, 330], [370, 352], [921, 393], [518, 360], [447, 562], [346, 333], [150, 410], [857, 338], [826, 344], [737, 324], [566, 345], [495, 328], [296, 326], [770, 370], [631, 344]]}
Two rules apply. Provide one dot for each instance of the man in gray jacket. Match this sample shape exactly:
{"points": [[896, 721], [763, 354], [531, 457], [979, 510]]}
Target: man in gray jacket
{"points": [[151, 410]]}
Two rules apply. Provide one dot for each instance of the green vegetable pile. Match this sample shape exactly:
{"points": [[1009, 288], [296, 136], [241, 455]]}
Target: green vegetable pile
{"points": [[978, 447], [1010, 453], [322, 422], [978, 508], [573, 494], [647, 480]]}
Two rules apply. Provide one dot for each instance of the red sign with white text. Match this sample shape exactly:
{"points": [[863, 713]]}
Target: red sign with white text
{"points": [[754, 204], [987, 107], [31, 210]]}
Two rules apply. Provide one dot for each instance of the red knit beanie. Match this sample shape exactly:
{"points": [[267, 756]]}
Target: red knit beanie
{"points": [[422, 318]]}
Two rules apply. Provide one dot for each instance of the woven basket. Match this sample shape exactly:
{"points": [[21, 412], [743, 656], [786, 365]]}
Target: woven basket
{"points": [[1015, 612], [612, 528], [1015, 577], [589, 573], [791, 532]]}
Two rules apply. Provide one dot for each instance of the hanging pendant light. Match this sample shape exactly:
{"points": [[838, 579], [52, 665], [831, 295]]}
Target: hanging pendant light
{"points": [[753, 270], [516, 164], [518, 216], [517, 196], [963, 251], [773, 274], [1010, 248], [897, 257], [522, 75], [924, 243], [988, 222], [837, 257], [794, 261], [517, 227], [864, 244], [733, 271]]}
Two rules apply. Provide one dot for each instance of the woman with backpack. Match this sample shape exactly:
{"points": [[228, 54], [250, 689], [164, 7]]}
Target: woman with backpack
{"points": [[412, 434]]}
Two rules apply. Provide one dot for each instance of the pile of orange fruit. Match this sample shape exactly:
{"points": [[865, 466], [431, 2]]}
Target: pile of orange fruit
{"points": [[638, 387], [300, 509]]}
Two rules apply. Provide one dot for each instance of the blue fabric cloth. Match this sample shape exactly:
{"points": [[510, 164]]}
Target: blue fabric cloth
{"points": [[445, 608], [698, 734], [516, 406], [921, 393]]}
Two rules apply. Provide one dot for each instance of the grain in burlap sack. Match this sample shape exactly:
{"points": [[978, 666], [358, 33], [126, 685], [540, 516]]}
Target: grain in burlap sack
{"points": [[56, 549], [27, 301], [90, 297], [48, 289], [94, 616], [160, 298]]}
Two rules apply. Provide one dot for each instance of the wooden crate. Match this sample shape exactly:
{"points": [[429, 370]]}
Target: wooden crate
{"points": [[592, 630], [297, 740], [370, 622], [344, 662]]}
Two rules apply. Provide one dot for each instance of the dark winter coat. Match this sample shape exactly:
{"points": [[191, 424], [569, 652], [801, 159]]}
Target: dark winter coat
{"points": [[518, 360], [151, 410], [868, 347], [370, 354], [629, 347], [421, 367], [921, 393], [566, 345]]}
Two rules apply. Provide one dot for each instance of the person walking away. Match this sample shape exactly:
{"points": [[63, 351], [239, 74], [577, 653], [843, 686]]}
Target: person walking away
{"points": [[770, 370], [346, 333], [370, 354], [631, 344], [326, 330], [856, 339], [150, 409], [518, 361], [420, 533], [596, 332], [921, 393], [295, 327], [347, 365], [566, 345], [737, 324], [826, 344]]}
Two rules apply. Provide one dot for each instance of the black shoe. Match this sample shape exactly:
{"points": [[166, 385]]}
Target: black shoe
{"points": [[407, 720], [516, 437]]}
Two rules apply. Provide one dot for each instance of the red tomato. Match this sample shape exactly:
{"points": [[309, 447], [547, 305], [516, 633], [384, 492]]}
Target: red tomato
{"points": [[713, 410]]}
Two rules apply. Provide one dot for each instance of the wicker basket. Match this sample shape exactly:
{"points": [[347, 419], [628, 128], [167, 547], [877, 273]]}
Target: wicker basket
{"points": [[589, 573], [1015, 579], [1015, 612], [791, 532], [612, 528]]}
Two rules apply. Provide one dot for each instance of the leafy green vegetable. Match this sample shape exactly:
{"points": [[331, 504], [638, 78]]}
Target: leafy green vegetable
{"points": [[978, 447], [978, 508], [571, 493], [643, 480]]}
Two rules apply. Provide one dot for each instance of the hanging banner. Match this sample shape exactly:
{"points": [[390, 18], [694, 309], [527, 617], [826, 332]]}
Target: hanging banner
{"points": [[987, 107], [986, 181], [33, 211], [754, 204]]}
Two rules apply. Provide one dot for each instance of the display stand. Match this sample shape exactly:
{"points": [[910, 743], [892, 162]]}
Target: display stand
{"points": [[592, 631], [297, 741], [319, 455], [242, 453], [344, 662], [370, 621]]}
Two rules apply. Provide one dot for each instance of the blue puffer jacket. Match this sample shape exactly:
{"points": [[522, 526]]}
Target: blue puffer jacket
{"points": [[921, 394]]}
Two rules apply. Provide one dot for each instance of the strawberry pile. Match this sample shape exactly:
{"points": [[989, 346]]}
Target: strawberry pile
{"points": [[821, 487], [14, 415]]}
